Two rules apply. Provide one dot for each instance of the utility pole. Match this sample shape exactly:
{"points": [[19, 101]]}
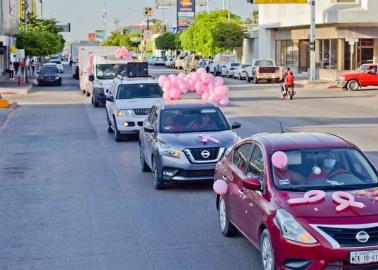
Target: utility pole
{"points": [[229, 11], [224, 5], [312, 42], [41, 1], [25, 16]]}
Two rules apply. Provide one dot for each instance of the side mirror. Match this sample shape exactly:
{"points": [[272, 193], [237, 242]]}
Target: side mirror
{"points": [[148, 129], [236, 125], [110, 98], [252, 183], [91, 78]]}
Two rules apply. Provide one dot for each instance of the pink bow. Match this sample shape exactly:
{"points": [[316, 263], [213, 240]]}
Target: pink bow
{"points": [[345, 200], [311, 196], [207, 137]]}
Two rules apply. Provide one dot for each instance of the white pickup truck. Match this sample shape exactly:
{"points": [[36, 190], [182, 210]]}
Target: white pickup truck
{"points": [[264, 69]]}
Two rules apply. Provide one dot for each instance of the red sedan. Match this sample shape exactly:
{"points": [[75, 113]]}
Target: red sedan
{"points": [[306, 201], [366, 75]]}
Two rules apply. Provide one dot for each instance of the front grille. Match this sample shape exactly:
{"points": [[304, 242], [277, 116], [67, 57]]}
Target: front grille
{"points": [[199, 155], [141, 111], [346, 237], [196, 174]]}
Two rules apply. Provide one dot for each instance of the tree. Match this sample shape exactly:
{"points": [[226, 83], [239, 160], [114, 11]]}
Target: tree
{"points": [[40, 43], [129, 40], [199, 36], [166, 41], [178, 41], [228, 36], [40, 25]]}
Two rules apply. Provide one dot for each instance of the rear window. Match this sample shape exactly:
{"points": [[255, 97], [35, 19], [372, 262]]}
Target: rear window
{"points": [[45, 70], [56, 62], [139, 90], [264, 63]]}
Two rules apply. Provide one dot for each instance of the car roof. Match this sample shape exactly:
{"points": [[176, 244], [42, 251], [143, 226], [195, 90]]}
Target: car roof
{"points": [[136, 80], [50, 64], [301, 140], [186, 104]]}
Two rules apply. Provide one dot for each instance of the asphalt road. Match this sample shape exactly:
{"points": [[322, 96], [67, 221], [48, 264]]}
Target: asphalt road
{"points": [[72, 198]]}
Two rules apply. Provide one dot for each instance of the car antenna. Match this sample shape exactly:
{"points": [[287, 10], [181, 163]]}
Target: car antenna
{"points": [[282, 130]]}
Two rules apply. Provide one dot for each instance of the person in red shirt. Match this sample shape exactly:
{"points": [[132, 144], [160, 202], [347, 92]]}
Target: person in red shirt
{"points": [[289, 82]]}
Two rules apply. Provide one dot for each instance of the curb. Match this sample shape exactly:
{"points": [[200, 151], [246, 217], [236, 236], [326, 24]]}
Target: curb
{"points": [[16, 91]]}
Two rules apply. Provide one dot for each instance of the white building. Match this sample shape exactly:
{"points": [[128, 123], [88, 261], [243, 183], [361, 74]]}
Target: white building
{"points": [[284, 35]]}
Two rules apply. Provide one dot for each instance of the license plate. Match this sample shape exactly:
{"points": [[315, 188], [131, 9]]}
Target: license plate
{"points": [[363, 257]]}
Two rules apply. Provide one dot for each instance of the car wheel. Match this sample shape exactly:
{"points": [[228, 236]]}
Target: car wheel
{"points": [[353, 85], [248, 79], [96, 104], [117, 135], [156, 173], [266, 250], [226, 227], [110, 129], [88, 94], [143, 163]]}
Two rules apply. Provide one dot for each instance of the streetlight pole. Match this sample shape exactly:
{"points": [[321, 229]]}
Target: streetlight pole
{"points": [[229, 11], [41, 2], [25, 16], [312, 41], [224, 5]]}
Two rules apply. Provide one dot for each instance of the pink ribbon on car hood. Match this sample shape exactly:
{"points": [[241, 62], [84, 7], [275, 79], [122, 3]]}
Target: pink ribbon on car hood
{"points": [[207, 137]]}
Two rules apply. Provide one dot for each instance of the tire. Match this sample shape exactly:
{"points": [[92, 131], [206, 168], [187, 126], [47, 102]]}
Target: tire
{"points": [[117, 135], [88, 94], [226, 227], [96, 104], [110, 129], [353, 85], [142, 160], [156, 173], [266, 251], [249, 79]]}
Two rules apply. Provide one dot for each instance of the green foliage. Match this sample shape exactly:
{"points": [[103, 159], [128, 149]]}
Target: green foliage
{"points": [[199, 37], [40, 43], [129, 40], [178, 41], [166, 41], [228, 36], [40, 25]]}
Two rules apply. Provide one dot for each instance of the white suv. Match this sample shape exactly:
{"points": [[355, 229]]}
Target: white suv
{"points": [[128, 103]]}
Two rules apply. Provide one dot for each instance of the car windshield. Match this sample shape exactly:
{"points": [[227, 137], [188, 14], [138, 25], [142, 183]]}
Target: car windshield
{"points": [[192, 120], [362, 68], [325, 169], [139, 90], [235, 64], [49, 70], [264, 63], [110, 71], [56, 62]]}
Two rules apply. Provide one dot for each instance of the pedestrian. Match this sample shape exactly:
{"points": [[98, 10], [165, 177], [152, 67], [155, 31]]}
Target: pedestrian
{"points": [[32, 64], [22, 66], [16, 66], [11, 71], [283, 84]]}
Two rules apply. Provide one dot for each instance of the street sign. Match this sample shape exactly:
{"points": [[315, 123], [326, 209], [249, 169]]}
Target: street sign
{"points": [[280, 1], [13, 49], [186, 10], [148, 11]]}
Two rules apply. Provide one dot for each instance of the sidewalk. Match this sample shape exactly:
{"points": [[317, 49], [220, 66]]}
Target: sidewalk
{"points": [[11, 87]]}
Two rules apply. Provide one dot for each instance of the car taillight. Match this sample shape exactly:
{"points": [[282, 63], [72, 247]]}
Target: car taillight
{"points": [[257, 70]]}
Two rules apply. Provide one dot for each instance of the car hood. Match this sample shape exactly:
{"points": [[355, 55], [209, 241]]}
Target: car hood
{"points": [[182, 141], [136, 103], [49, 74], [327, 207], [350, 74]]}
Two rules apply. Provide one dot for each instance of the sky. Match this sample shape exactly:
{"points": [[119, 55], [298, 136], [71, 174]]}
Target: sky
{"points": [[86, 15]]}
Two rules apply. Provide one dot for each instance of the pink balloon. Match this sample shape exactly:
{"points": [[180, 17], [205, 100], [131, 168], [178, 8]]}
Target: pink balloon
{"points": [[175, 93], [196, 77], [206, 78], [221, 90], [218, 81], [279, 160], [224, 102], [199, 86], [168, 85], [166, 96], [181, 75], [162, 79], [205, 97], [220, 187], [172, 76], [182, 86]]}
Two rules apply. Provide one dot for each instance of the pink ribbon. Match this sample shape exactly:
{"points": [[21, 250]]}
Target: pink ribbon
{"points": [[345, 200], [207, 137], [311, 196]]}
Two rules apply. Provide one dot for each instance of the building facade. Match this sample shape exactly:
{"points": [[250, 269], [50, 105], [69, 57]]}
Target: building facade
{"points": [[8, 29], [347, 35]]}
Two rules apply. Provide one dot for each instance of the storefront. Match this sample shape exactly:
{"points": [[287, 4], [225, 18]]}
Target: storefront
{"points": [[334, 50]]}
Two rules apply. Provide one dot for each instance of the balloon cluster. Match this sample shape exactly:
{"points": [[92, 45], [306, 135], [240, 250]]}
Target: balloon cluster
{"points": [[123, 53], [90, 64], [205, 85]]}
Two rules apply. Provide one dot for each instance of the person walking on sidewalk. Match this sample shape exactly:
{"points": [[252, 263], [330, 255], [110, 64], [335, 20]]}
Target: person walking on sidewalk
{"points": [[16, 67], [11, 71]]}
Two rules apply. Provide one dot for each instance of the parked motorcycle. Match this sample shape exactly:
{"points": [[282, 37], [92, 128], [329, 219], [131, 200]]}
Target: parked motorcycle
{"points": [[287, 91]]}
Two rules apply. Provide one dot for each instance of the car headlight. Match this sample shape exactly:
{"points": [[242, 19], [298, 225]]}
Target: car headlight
{"points": [[169, 151], [124, 113], [57, 77], [342, 78], [291, 229]]}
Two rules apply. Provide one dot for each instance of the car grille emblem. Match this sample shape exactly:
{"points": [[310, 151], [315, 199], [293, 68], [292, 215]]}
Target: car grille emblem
{"points": [[205, 154], [362, 237]]}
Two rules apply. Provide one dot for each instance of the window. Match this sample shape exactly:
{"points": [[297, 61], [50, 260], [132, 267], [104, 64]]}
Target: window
{"points": [[287, 53], [241, 157], [151, 114], [139, 90], [256, 164], [328, 53]]}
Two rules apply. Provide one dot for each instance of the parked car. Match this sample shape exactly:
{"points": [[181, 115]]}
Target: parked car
{"points": [[49, 74], [192, 62], [183, 140], [264, 69], [99, 96], [59, 64], [130, 100], [230, 68], [366, 75], [180, 61], [151, 60], [240, 72], [269, 177], [220, 62], [159, 61]]}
